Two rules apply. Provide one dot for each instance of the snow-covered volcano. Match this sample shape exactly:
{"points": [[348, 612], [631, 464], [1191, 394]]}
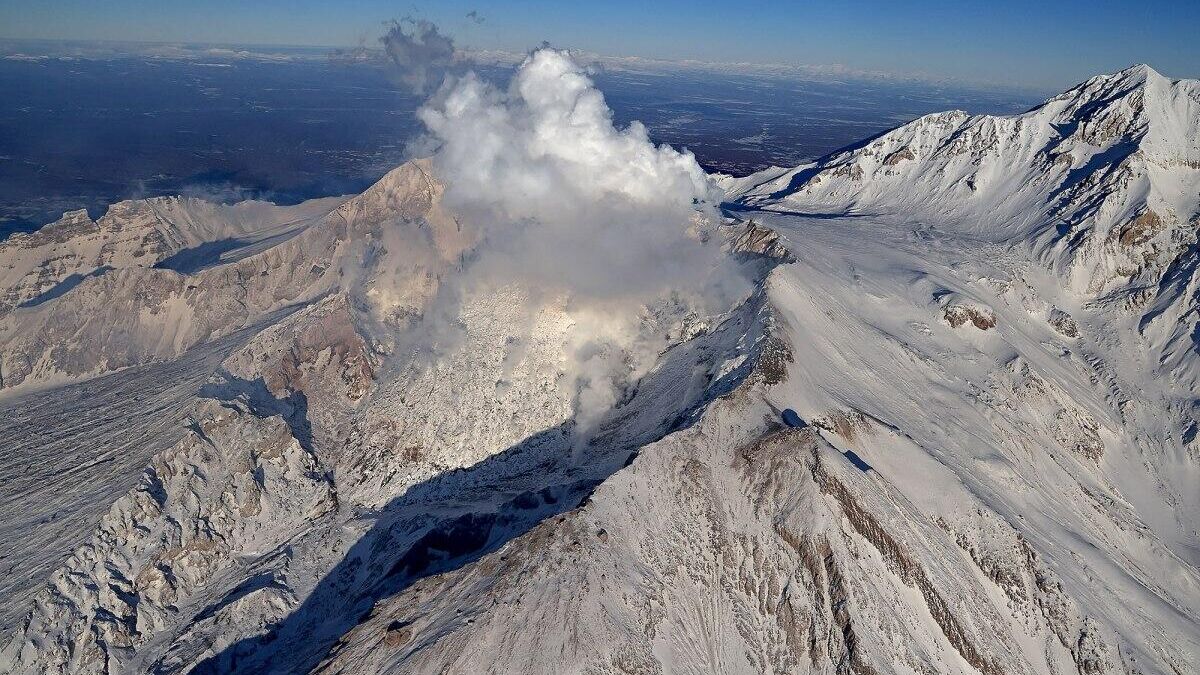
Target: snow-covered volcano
{"points": [[950, 428]]}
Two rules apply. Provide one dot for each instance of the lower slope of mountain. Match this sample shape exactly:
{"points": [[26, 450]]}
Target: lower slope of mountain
{"points": [[952, 428]]}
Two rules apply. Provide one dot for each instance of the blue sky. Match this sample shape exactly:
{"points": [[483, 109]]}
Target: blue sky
{"points": [[1037, 44]]}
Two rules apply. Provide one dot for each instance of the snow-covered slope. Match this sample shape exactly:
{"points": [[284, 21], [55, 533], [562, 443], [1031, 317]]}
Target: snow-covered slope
{"points": [[138, 313], [1099, 183], [70, 451], [952, 429], [181, 233], [971, 496]]}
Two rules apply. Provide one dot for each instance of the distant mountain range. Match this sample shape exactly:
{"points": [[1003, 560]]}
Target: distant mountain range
{"points": [[20, 49]]}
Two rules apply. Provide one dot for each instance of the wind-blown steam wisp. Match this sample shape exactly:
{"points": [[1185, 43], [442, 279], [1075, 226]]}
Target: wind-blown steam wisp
{"points": [[419, 51]]}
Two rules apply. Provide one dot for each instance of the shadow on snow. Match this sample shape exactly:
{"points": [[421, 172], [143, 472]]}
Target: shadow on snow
{"points": [[459, 516]]}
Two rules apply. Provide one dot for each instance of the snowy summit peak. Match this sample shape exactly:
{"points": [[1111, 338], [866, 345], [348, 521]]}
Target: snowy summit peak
{"points": [[1140, 72], [1150, 94], [1136, 74], [1101, 179]]}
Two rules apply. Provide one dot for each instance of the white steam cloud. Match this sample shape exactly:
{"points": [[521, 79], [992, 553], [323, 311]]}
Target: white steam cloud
{"points": [[565, 200], [578, 211]]}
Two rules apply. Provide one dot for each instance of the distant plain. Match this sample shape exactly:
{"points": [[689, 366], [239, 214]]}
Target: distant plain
{"points": [[85, 132]]}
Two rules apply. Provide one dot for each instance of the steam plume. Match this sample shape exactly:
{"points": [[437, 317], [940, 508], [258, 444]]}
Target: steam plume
{"points": [[565, 200], [571, 207]]}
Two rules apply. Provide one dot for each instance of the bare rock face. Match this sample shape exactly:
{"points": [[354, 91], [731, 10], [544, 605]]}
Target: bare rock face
{"points": [[318, 352], [1063, 323], [960, 315], [758, 240], [898, 156], [1141, 229]]}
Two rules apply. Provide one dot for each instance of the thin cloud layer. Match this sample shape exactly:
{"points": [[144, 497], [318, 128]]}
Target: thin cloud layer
{"points": [[419, 51]]}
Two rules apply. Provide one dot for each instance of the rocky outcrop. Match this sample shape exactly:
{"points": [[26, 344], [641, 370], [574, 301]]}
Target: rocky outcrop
{"points": [[960, 315]]}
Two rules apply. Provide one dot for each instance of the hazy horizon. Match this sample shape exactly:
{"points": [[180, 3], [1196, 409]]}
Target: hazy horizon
{"points": [[1025, 44]]}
